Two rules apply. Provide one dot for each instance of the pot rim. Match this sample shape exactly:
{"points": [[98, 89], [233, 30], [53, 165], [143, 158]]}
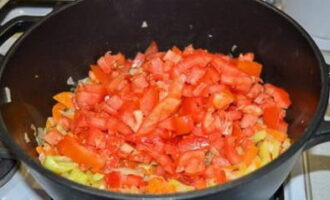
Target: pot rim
{"points": [[295, 147]]}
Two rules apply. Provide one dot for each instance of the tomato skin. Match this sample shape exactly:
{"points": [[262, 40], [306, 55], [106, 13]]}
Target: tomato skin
{"points": [[183, 124], [217, 141], [220, 161], [280, 96], [99, 74], [89, 95], [53, 137], [168, 124], [96, 138], [217, 173], [163, 110], [149, 100], [192, 162], [113, 179], [115, 102], [223, 99], [196, 59], [140, 157], [193, 107], [250, 67], [152, 49], [273, 116], [132, 180], [193, 143], [230, 151], [195, 75], [114, 125], [97, 122]]}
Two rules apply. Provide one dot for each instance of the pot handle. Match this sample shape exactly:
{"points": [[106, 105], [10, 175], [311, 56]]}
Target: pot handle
{"points": [[16, 25], [322, 134]]}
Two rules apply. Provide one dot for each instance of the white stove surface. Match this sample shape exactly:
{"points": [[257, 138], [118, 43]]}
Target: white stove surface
{"points": [[309, 180]]}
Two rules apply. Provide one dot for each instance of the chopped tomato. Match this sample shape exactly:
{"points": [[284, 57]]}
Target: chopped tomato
{"points": [[216, 173], [115, 102], [231, 152], [131, 180], [153, 48], [193, 143], [194, 108], [280, 96], [163, 110], [183, 124], [99, 74], [115, 125], [113, 179], [168, 124], [53, 137], [220, 161], [192, 162], [250, 67], [97, 122], [223, 99], [96, 138], [200, 59], [149, 100], [169, 121], [273, 116]]}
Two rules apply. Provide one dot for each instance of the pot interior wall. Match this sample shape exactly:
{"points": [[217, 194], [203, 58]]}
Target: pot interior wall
{"points": [[67, 43]]}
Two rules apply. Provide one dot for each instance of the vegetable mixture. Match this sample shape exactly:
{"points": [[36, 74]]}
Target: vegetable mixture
{"points": [[166, 122]]}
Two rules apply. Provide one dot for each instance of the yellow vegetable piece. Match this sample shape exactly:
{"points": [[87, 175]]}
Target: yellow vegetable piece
{"points": [[57, 111], [258, 136], [179, 187], [78, 176], [58, 164], [65, 98], [264, 152]]}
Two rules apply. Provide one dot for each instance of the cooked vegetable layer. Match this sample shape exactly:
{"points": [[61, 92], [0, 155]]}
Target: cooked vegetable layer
{"points": [[166, 122]]}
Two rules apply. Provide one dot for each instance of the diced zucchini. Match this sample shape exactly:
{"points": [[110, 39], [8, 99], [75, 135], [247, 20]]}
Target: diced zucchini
{"points": [[58, 164], [97, 177], [179, 187], [78, 176], [257, 137], [276, 149], [264, 152]]}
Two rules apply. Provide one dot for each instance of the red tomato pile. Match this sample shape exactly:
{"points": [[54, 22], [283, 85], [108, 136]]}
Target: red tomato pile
{"points": [[188, 115]]}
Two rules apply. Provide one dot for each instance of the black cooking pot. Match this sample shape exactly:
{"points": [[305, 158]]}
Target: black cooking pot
{"points": [[66, 42]]}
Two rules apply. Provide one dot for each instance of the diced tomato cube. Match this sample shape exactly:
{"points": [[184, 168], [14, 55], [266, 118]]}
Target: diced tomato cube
{"points": [[195, 75], [115, 102], [149, 100], [53, 137], [194, 143], [183, 124], [280, 96], [113, 179], [192, 162]]}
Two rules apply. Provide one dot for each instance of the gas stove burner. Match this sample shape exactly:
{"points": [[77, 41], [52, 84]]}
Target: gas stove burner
{"points": [[8, 167], [279, 194]]}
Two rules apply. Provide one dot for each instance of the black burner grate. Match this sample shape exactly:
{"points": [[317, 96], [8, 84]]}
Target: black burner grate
{"points": [[279, 194]]}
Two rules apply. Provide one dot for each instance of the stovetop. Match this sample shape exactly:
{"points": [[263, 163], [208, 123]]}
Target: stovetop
{"points": [[309, 179]]}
